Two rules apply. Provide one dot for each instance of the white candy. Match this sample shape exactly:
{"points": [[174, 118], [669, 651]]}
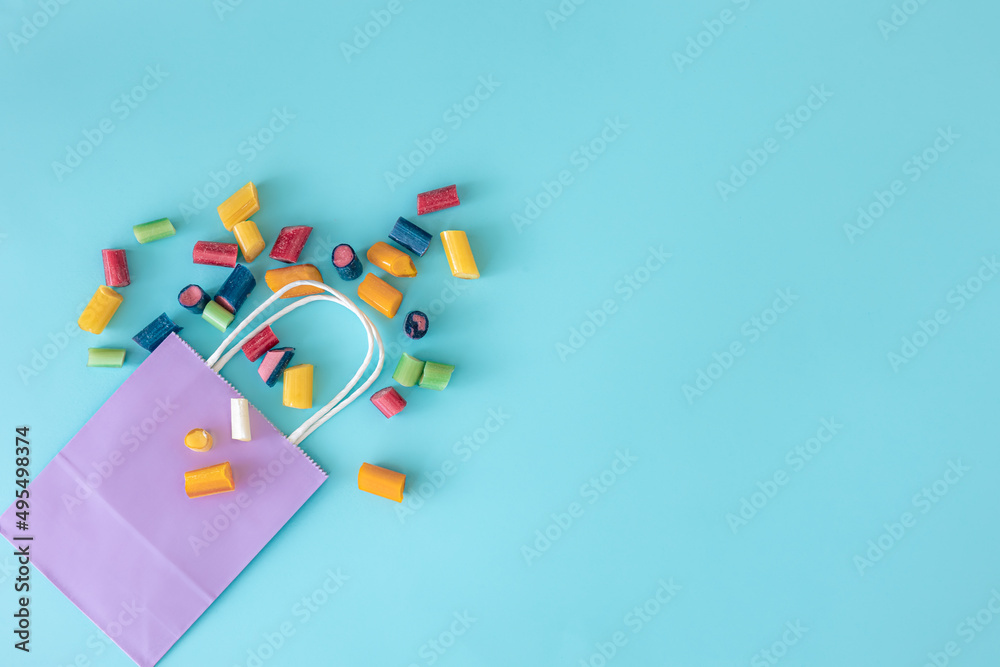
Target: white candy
{"points": [[241, 419]]}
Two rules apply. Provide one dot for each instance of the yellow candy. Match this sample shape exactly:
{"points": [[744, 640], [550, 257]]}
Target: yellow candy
{"points": [[249, 238], [460, 259], [206, 481], [380, 295], [395, 262], [297, 386], [240, 206], [278, 278], [198, 439], [98, 312]]}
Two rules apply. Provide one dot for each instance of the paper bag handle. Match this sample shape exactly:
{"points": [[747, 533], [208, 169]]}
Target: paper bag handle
{"points": [[339, 402]]}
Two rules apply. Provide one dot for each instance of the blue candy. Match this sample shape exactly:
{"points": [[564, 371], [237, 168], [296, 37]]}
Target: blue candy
{"points": [[415, 325], [273, 364], [156, 332], [411, 237], [236, 289]]}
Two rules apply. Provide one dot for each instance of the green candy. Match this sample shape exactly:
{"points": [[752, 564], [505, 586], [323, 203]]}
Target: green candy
{"points": [[217, 316], [435, 375], [408, 370], [153, 231], [103, 357]]}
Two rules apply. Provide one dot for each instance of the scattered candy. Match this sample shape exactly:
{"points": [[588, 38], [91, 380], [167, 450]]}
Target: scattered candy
{"points": [[217, 315], [198, 439], [263, 341], [411, 237], [380, 295], [215, 254], [249, 239], [273, 364], [278, 278], [436, 376], [105, 357], [156, 332], [381, 482], [115, 268], [236, 289], [395, 262], [346, 261], [210, 480], [460, 259], [297, 386], [408, 370], [415, 325], [240, 408], [388, 401], [289, 243], [153, 231], [99, 310], [193, 298], [240, 206], [435, 200]]}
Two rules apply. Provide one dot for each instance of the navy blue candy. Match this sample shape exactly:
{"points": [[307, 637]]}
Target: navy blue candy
{"points": [[415, 325], [156, 332], [236, 289], [273, 364], [411, 237], [346, 261], [193, 298]]}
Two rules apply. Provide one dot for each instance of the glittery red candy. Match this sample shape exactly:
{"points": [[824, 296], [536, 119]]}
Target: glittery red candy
{"points": [[259, 344], [435, 200], [215, 254], [115, 268], [388, 401], [289, 243]]}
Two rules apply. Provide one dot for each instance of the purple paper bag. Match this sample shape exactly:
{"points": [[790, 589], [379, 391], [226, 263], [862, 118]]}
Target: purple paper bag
{"points": [[113, 527]]}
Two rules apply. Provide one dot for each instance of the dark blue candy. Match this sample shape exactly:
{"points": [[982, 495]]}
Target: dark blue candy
{"points": [[199, 304], [236, 289], [415, 325], [349, 267], [156, 332], [411, 237]]}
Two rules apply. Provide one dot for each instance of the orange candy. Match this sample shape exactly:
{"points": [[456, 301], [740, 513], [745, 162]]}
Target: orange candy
{"points": [[381, 481], [380, 295], [278, 278], [206, 481]]}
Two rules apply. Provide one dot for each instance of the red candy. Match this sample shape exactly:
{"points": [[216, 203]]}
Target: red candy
{"points": [[115, 268], [259, 344], [289, 244], [435, 200], [388, 401], [215, 254]]}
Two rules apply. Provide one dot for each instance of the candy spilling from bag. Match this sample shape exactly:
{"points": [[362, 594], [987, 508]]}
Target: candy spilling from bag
{"points": [[220, 311]]}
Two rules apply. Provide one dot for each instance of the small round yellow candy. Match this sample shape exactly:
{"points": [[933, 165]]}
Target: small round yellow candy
{"points": [[198, 439]]}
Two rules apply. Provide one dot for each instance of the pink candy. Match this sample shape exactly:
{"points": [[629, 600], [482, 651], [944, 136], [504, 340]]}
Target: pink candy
{"points": [[388, 401]]}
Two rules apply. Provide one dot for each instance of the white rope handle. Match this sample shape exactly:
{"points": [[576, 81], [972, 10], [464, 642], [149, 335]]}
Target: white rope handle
{"points": [[339, 402]]}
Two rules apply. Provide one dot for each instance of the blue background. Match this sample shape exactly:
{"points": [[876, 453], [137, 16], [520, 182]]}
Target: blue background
{"points": [[574, 394]]}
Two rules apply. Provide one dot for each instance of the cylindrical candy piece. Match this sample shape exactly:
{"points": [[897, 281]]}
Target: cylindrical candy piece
{"points": [[153, 231], [408, 370], [388, 401], [411, 237], [103, 357], [218, 316], [215, 254], [278, 278], [274, 363], [115, 268], [262, 341], [395, 262], [198, 439], [380, 295], [460, 259], [288, 246], [435, 200], [156, 332], [435, 375], [249, 239], [193, 298], [206, 481], [240, 408], [381, 481], [99, 310], [415, 325], [297, 386], [346, 261], [236, 289], [240, 206]]}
